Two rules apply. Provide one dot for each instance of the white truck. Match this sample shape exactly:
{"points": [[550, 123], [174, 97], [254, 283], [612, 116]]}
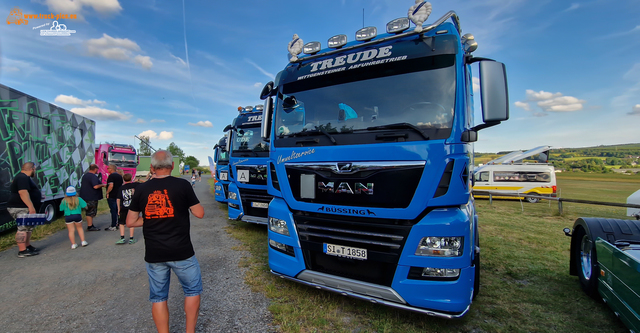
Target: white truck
{"points": [[60, 142]]}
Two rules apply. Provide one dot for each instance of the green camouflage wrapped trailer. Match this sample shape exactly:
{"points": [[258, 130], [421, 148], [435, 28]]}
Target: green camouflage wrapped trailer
{"points": [[60, 142]]}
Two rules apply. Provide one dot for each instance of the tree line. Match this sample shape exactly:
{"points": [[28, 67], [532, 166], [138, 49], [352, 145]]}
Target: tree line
{"points": [[146, 150]]}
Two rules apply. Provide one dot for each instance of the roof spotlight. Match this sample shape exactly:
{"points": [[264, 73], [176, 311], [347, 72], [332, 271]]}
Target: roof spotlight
{"points": [[337, 41], [366, 34], [398, 25], [311, 48]]}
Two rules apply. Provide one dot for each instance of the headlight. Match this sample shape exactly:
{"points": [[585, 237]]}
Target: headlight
{"points": [[218, 188], [233, 196], [440, 272], [440, 246], [278, 226]]}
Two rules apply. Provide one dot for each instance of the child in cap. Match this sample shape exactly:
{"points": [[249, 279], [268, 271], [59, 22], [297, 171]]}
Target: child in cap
{"points": [[72, 206], [123, 200]]}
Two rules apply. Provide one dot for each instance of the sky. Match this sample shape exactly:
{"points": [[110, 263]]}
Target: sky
{"points": [[177, 70]]}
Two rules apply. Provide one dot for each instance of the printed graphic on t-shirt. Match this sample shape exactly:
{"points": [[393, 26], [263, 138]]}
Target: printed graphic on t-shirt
{"points": [[127, 195], [158, 205]]}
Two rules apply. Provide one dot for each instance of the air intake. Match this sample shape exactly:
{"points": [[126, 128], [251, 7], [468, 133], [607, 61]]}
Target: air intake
{"points": [[274, 177], [443, 186]]}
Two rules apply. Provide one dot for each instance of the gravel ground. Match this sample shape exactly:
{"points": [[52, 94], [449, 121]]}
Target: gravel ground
{"points": [[103, 287]]}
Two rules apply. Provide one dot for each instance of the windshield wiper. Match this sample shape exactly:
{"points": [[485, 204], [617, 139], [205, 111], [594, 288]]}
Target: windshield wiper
{"points": [[399, 126], [246, 151]]}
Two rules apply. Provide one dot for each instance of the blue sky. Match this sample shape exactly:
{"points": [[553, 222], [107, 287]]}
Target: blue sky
{"points": [[573, 67]]}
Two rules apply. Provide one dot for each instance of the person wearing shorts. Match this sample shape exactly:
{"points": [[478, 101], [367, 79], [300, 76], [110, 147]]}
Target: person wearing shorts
{"points": [[91, 193], [166, 203], [72, 206], [25, 199]]}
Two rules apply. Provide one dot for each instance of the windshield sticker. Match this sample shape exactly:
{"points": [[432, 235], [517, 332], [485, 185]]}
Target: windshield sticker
{"points": [[295, 155], [355, 60]]}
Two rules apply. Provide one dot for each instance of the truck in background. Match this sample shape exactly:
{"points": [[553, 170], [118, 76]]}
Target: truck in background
{"points": [[123, 156], [509, 174], [60, 142], [372, 185], [247, 197], [221, 173]]}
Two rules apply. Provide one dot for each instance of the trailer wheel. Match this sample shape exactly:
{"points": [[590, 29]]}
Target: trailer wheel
{"points": [[49, 210], [586, 263], [533, 200]]}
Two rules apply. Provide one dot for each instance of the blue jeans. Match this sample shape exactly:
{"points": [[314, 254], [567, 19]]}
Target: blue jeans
{"points": [[187, 271], [113, 207]]}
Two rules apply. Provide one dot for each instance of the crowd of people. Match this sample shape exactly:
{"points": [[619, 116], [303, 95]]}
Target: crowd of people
{"points": [[160, 206]]}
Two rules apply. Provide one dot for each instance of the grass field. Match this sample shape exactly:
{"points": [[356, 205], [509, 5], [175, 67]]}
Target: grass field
{"points": [[525, 284]]}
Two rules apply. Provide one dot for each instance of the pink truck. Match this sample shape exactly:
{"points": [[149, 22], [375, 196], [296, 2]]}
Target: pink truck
{"points": [[123, 156]]}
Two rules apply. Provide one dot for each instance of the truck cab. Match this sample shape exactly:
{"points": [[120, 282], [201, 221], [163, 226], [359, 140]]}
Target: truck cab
{"points": [[371, 157], [123, 156], [247, 198], [222, 180]]}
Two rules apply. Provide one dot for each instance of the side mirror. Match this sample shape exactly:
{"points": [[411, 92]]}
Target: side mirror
{"points": [[289, 102], [228, 127], [215, 154], [265, 127], [228, 146], [469, 136], [267, 90], [493, 91]]}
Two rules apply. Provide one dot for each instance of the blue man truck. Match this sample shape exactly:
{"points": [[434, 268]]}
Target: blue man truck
{"points": [[247, 198], [221, 158], [371, 157]]}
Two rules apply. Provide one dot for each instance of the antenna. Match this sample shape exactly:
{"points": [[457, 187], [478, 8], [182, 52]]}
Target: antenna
{"points": [[363, 17]]}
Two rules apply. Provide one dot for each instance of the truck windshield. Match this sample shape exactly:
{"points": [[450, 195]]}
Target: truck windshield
{"points": [[248, 140], [406, 95], [123, 159], [223, 156]]}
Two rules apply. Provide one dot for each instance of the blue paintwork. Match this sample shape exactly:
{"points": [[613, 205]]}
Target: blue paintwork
{"points": [[454, 214]]}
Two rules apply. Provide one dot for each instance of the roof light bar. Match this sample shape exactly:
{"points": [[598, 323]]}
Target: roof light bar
{"points": [[398, 25], [366, 34], [240, 108], [337, 41], [259, 107], [248, 108], [312, 48]]}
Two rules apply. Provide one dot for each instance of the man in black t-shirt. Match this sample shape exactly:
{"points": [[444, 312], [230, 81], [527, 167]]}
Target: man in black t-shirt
{"points": [[25, 199], [114, 181], [91, 193], [165, 203]]}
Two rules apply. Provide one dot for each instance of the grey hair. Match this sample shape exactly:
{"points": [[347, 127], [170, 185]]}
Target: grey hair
{"points": [[113, 166], [162, 159]]}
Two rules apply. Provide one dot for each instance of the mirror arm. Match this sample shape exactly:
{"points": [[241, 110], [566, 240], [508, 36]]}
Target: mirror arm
{"points": [[469, 59], [485, 125]]}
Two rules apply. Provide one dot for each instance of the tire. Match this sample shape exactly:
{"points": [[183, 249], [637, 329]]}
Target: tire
{"points": [[532, 200], [476, 280], [586, 262], [49, 209]]}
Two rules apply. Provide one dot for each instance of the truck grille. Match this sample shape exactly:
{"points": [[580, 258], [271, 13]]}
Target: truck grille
{"points": [[383, 239], [250, 195]]}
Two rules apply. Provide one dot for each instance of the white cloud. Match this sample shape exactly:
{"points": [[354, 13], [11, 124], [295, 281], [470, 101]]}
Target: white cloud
{"points": [[550, 102], [523, 105], [164, 135], [201, 123], [144, 61], [271, 76], [76, 6], [140, 121], [257, 84], [96, 113], [178, 60], [635, 110], [157, 120], [120, 49], [71, 100], [476, 84], [573, 6], [18, 66]]}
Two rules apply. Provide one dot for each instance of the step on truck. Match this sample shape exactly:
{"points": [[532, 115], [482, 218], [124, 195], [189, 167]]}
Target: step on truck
{"points": [[122, 155], [221, 159], [247, 198], [58, 141], [370, 164]]}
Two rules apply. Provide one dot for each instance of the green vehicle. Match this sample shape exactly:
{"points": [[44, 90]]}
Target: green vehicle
{"points": [[605, 255]]}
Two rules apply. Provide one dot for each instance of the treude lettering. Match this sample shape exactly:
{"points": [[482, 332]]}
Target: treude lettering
{"points": [[367, 55]]}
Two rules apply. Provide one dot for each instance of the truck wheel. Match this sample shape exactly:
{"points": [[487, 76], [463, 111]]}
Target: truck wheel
{"points": [[586, 263], [533, 200], [49, 209], [476, 280]]}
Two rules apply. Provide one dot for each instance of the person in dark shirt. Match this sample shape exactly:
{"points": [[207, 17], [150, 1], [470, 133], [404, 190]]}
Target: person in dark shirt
{"points": [[91, 193], [25, 199], [165, 203], [124, 200], [114, 181]]}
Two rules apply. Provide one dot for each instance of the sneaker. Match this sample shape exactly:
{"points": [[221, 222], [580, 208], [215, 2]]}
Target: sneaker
{"points": [[26, 253], [84, 243], [110, 229], [74, 246], [92, 228], [132, 240], [32, 249], [120, 241]]}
